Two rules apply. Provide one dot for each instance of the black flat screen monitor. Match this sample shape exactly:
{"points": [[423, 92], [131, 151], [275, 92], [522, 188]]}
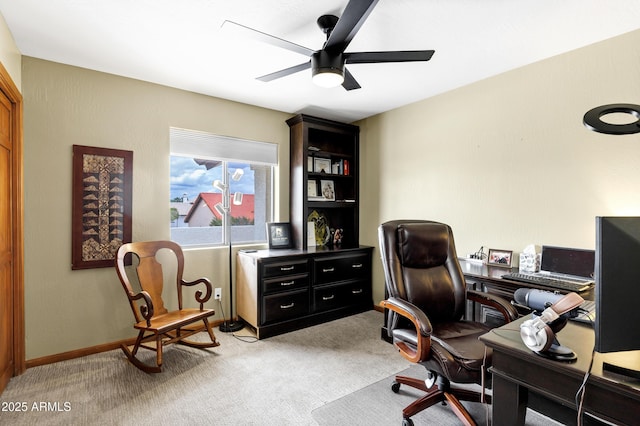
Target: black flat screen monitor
{"points": [[617, 277]]}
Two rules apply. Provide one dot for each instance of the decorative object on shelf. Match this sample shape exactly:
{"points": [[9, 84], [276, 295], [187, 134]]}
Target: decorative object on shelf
{"points": [[322, 165], [101, 209], [279, 235], [328, 190], [500, 258], [323, 234], [224, 208], [592, 119], [338, 234]]}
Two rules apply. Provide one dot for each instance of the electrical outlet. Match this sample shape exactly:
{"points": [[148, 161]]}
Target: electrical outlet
{"points": [[217, 293]]}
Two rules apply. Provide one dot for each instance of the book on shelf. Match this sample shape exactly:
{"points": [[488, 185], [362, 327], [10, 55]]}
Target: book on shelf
{"points": [[340, 167]]}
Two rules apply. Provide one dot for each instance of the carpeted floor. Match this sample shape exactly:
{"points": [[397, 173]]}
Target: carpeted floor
{"points": [[377, 405], [330, 374]]}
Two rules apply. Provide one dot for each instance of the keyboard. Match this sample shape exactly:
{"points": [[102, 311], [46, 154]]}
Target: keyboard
{"points": [[555, 283]]}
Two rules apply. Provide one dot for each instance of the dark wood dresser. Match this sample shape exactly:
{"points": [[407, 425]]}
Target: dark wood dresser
{"points": [[288, 289]]}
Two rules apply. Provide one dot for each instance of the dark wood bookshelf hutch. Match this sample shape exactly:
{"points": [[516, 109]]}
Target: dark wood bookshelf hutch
{"points": [[337, 143], [281, 290]]}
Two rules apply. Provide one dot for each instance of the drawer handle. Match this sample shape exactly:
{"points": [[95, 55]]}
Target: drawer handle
{"points": [[287, 306], [328, 297], [287, 268], [357, 265], [288, 283], [356, 291], [328, 269]]}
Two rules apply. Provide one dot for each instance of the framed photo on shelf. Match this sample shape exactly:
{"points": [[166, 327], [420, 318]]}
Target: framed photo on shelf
{"points": [[327, 190], [322, 165], [500, 258], [279, 235], [312, 188]]}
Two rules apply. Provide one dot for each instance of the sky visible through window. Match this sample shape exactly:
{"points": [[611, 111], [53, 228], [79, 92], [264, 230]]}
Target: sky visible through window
{"points": [[190, 178]]}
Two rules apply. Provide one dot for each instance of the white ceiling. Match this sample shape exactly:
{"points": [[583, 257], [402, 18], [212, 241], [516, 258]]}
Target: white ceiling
{"points": [[180, 43]]}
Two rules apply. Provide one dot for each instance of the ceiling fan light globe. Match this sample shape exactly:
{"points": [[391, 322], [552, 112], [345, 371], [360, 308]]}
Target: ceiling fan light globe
{"points": [[328, 79], [327, 69]]}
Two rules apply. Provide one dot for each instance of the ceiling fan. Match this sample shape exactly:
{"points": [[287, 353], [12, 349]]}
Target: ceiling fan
{"points": [[328, 64]]}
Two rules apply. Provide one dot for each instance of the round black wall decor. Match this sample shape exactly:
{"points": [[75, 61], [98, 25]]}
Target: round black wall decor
{"points": [[593, 122]]}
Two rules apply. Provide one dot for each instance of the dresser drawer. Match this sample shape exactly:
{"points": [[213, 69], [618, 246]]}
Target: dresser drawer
{"points": [[328, 297], [332, 269], [340, 295], [283, 306], [358, 293], [285, 283], [285, 268]]}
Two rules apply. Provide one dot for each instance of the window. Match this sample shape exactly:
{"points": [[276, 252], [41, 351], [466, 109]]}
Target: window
{"points": [[221, 188]]}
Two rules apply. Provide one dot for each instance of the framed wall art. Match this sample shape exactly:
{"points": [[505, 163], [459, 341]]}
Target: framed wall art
{"points": [[101, 210]]}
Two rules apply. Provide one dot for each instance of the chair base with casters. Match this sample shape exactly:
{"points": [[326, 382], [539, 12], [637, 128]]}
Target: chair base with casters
{"points": [[158, 327], [425, 308], [437, 391]]}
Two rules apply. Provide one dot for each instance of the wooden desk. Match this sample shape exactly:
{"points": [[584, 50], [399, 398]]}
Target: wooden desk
{"points": [[517, 370], [489, 279]]}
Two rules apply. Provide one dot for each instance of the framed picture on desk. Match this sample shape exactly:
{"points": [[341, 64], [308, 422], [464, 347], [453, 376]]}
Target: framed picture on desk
{"points": [[500, 258], [279, 235]]}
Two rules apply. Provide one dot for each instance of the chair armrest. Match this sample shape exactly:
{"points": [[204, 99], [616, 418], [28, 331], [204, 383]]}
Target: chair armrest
{"points": [[146, 309], [199, 297], [508, 311], [420, 322]]}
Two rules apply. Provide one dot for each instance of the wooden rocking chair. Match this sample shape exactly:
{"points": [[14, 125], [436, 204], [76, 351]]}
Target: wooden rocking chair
{"points": [[154, 322]]}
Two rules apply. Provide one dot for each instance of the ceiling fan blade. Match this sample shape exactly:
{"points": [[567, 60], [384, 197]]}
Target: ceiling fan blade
{"points": [[230, 26], [349, 82], [389, 56], [285, 72], [348, 25]]}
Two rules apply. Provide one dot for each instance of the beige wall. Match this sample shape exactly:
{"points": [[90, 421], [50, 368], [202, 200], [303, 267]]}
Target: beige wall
{"points": [[506, 161], [63, 106], [10, 56]]}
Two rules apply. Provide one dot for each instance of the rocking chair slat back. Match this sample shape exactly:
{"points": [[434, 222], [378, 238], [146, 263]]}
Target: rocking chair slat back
{"points": [[151, 280]]}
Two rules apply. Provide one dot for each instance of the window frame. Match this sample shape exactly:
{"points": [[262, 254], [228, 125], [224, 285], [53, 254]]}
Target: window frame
{"points": [[201, 145]]}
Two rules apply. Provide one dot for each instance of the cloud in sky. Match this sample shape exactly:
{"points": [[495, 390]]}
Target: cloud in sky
{"points": [[188, 177]]}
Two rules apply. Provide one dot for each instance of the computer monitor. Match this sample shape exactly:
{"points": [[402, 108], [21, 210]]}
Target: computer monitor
{"points": [[617, 277]]}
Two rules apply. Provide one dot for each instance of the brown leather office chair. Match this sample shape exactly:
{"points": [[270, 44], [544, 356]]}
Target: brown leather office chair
{"points": [[154, 322], [426, 303]]}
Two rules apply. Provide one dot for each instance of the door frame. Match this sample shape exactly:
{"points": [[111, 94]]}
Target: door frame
{"points": [[8, 87]]}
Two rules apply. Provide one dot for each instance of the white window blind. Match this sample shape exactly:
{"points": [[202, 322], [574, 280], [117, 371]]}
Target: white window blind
{"points": [[197, 144]]}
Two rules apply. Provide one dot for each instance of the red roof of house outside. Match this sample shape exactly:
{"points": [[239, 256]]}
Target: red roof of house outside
{"points": [[210, 199]]}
